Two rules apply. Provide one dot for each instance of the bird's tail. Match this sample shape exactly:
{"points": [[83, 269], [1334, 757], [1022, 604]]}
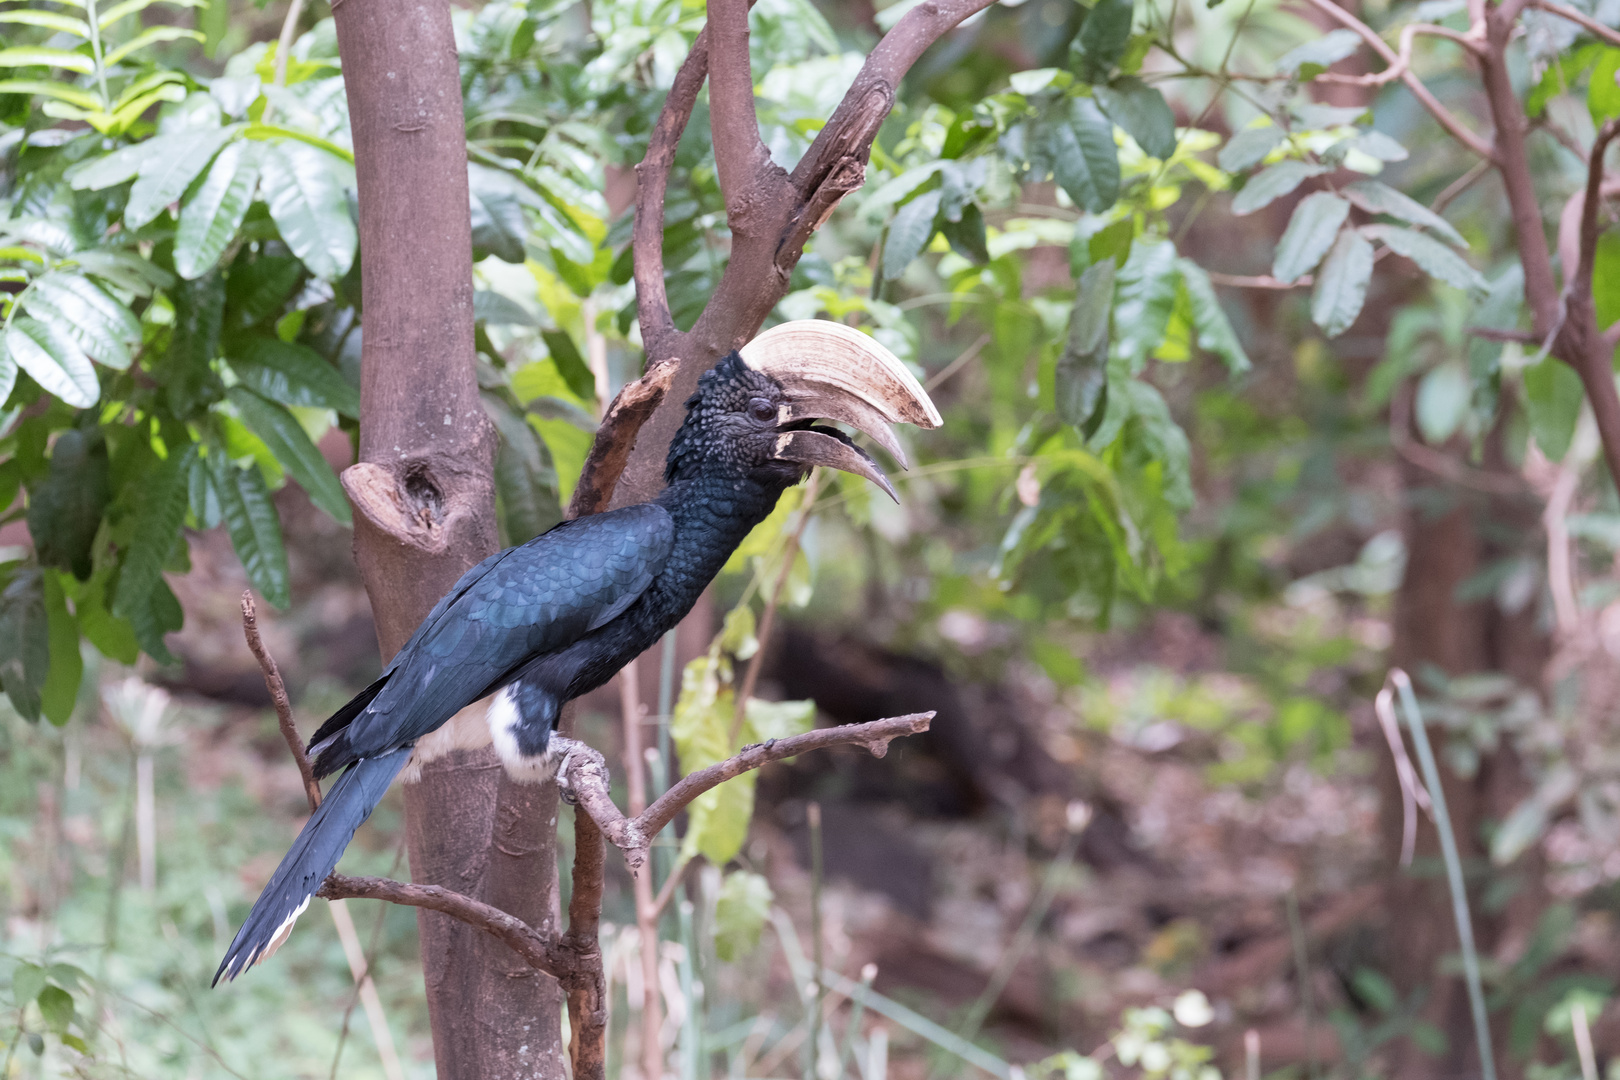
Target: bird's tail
{"points": [[314, 854]]}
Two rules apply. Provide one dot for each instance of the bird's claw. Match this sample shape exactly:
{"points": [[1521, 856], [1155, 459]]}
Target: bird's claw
{"points": [[562, 752]]}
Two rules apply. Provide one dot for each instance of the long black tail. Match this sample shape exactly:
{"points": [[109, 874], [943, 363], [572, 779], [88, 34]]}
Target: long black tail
{"points": [[316, 851]]}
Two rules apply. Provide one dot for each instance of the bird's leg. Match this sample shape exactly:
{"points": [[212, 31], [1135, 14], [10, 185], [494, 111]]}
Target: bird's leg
{"points": [[522, 721]]}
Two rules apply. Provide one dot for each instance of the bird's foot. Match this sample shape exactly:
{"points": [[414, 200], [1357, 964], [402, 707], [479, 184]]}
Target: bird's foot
{"points": [[559, 752]]}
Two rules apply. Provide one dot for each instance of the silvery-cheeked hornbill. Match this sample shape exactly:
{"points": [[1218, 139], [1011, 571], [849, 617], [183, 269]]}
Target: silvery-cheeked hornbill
{"points": [[540, 624]]}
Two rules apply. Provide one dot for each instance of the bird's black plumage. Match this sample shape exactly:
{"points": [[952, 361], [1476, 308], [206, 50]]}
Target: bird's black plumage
{"points": [[543, 622]]}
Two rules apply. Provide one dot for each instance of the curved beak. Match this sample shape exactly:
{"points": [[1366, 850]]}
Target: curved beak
{"points": [[829, 371]]}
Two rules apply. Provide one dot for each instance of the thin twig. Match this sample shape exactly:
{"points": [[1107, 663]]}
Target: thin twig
{"points": [[1403, 60], [1442, 465], [958, 364], [278, 695], [1584, 21], [1425, 97], [1460, 185]]}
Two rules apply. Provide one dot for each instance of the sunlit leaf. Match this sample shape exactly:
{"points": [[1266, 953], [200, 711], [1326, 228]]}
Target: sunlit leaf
{"points": [[309, 206], [54, 360], [163, 179], [39, 56], [740, 913], [104, 329], [150, 36], [211, 214], [51, 20]]}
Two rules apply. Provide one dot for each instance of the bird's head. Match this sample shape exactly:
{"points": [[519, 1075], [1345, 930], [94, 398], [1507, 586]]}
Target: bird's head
{"points": [[757, 411]]}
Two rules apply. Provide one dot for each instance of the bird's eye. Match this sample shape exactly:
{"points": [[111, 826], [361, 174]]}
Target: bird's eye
{"points": [[762, 410]]}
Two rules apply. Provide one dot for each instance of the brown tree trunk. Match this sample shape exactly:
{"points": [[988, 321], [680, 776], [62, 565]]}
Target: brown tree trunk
{"points": [[424, 499]]}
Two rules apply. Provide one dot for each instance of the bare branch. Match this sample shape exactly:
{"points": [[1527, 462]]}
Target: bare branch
{"points": [[652, 180], [587, 777], [1403, 61], [539, 951], [1460, 185], [1440, 464], [1413, 83], [1580, 283], [616, 436], [1584, 21], [1259, 281], [874, 736], [748, 179], [278, 695]]}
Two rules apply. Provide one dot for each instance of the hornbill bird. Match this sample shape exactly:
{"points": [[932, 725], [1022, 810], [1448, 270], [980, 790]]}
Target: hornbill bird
{"points": [[542, 623]]}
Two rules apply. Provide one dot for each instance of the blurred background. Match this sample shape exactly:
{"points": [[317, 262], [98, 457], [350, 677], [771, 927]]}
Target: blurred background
{"points": [[1152, 585]]}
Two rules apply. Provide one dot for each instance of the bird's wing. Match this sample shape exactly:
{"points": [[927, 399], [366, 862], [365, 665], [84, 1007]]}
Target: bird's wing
{"points": [[522, 603]]}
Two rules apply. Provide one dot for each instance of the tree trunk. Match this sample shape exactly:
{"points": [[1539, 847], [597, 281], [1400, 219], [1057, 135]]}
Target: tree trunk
{"points": [[423, 494]]}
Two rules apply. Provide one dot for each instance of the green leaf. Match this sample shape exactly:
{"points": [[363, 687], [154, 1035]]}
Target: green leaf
{"points": [[1266, 187], [1083, 157], [292, 447], [211, 214], [96, 173], [51, 20], [187, 373], [493, 309], [570, 364], [259, 289], [1146, 293], [1603, 91], [54, 360], [60, 693], [310, 207], [1375, 144], [163, 179], [1142, 111], [967, 235], [767, 720], [38, 56], [105, 330], [8, 373], [1442, 401], [114, 637], [59, 91], [1376, 198], [56, 1008], [64, 510], [1310, 233], [157, 614], [129, 7], [1431, 256], [1307, 61], [1081, 375], [1215, 333], [909, 233], [25, 657], [1553, 397], [27, 980], [159, 513], [292, 374], [148, 37], [1341, 285], [525, 478], [250, 521], [717, 820], [740, 913], [1104, 34], [500, 224], [1157, 432], [1524, 826], [1249, 147]]}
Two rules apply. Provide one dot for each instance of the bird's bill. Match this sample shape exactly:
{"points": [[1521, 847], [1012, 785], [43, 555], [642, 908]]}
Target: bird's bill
{"points": [[834, 449], [829, 371]]}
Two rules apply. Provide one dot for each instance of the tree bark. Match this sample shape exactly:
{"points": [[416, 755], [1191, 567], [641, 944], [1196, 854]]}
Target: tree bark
{"points": [[425, 512]]}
